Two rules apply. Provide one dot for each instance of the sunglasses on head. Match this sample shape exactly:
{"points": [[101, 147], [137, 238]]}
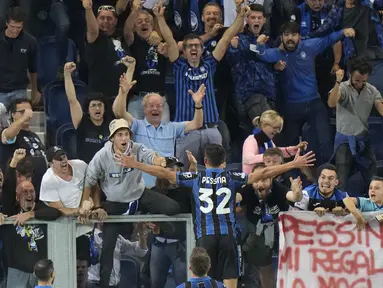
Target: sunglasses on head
{"points": [[106, 8]]}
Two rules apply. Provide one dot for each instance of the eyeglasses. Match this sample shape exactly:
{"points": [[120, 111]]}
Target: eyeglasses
{"points": [[196, 46], [96, 105], [106, 8], [20, 111], [159, 106]]}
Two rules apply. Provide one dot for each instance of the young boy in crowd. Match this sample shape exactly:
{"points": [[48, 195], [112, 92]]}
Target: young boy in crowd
{"points": [[371, 204]]}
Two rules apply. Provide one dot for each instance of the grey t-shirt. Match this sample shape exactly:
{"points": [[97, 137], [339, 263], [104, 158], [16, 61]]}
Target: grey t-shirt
{"points": [[119, 184], [353, 109]]}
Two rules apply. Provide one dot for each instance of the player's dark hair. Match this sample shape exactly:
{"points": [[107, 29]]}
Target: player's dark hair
{"points": [[16, 14], [43, 270], [290, 27], [199, 262], [215, 154], [191, 36], [94, 96], [273, 152], [361, 65], [257, 8], [326, 166]]}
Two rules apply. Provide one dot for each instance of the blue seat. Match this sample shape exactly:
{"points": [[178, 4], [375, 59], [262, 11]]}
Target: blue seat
{"points": [[66, 138], [56, 104], [48, 61], [130, 272]]}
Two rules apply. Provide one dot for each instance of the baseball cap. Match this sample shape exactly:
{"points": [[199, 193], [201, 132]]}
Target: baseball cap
{"points": [[173, 161], [55, 153], [118, 124]]}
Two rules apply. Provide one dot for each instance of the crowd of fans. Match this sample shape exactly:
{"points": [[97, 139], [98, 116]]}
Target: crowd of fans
{"points": [[247, 78]]}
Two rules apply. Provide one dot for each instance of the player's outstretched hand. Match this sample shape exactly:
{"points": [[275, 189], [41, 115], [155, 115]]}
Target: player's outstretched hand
{"points": [[305, 160]]}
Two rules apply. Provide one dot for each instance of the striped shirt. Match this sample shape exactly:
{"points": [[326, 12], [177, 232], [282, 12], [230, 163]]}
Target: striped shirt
{"points": [[214, 193], [191, 78]]}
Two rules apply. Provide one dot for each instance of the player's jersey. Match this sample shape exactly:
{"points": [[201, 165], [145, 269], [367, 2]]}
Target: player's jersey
{"points": [[204, 282], [213, 199]]}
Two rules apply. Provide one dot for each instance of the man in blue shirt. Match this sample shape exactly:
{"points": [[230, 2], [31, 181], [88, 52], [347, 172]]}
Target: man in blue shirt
{"points": [[191, 70], [44, 272], [214, 192], [302, 101], [199, 266]]}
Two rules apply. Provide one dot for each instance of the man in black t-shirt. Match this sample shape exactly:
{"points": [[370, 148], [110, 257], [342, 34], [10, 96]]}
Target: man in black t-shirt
{"points": [[92, 127], [150, 61], [263, 201], [19, 135], [104, 50]]}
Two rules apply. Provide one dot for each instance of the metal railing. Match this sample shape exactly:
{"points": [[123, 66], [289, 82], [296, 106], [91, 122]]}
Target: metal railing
{"points": [[61, 240]]}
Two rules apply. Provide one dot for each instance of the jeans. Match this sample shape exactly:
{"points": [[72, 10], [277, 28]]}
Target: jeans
{"points": [[251, 108], [195, 142], [8, 97], [20, 279], [136, 109], [59, 15], [315, 114], [162, 257], [25, 5], [150, 200], [345, 163]]}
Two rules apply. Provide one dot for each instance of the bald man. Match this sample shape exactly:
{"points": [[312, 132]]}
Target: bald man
{"points": [[24, 245]]}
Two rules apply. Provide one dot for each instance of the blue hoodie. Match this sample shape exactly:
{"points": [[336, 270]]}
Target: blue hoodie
{"points": [[298, 79]]}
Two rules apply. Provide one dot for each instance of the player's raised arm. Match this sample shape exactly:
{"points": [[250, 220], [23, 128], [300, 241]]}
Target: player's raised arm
{"points": [[270, 172]]}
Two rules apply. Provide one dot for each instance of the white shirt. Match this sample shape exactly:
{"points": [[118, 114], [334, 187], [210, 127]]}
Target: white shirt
{"points": [[123, 246], [54, 188]]}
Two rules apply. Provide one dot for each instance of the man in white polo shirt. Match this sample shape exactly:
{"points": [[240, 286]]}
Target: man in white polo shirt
{"points": [[63, 183]]}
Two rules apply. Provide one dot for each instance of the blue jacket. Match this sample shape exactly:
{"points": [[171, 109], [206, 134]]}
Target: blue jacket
{"points": [[251, 75], [306, 18], [298, 79]]}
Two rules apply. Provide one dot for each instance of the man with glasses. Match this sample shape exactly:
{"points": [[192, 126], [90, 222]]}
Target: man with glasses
{"points": [[19, 135], [104, 49], [152, 131], [191, 71], [92, 126]]}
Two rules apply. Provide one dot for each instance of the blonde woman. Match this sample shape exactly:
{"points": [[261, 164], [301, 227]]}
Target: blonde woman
{"points": [[267, 126]]}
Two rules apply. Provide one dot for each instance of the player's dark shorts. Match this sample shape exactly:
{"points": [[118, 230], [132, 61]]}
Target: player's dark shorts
{"points": [[224, 256]]}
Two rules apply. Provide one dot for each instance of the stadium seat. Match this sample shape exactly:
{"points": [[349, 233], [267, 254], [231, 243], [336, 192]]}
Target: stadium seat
{"points": [[130, 272], [66, 138], [56, 105], [48, 61], [376, 76]]}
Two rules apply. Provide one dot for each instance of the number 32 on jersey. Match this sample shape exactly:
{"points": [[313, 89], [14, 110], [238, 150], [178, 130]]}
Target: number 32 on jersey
{"points": [[205, 196]]}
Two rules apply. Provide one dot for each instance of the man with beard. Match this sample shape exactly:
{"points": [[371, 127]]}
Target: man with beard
{"points": [[263, 201], [24, 244], [323, 197], [302, 102], [254, 79], [310, 15], [354, 100], [191, 71], [150, 61], [124, 188]]}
